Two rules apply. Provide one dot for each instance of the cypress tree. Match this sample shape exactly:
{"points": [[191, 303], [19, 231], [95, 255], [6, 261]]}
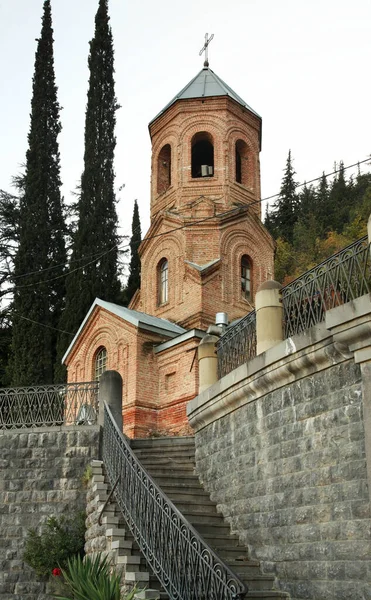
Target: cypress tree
{"points": [[285, 208], [133, 283], [40, 259], [96, 232]]}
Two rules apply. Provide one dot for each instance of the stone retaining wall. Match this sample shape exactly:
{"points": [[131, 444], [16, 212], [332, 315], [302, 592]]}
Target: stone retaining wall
{"points": [[282, 446], [41, 475]]}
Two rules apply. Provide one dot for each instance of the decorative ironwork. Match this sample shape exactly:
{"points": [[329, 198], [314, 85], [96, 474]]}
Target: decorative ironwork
{"points": [[238, 345], [343, 277], [185, 565], [49, 405]]}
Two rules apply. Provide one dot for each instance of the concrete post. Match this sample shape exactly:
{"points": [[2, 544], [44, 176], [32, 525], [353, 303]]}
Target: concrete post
{"points": [[269, 316], [110, 391], [369, 229], [207, 361]]}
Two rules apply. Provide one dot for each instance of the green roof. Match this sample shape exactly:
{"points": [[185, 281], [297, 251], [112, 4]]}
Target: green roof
{"points": [[206, 84]]}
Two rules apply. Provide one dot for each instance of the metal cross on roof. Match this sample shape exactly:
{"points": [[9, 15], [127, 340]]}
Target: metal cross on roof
{"points": [[205, 49]]}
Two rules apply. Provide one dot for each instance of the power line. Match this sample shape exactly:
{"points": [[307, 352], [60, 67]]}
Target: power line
{"points": [[190, 224]]}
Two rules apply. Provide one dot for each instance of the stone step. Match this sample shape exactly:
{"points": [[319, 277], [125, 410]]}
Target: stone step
{"points": [[153, 462], [255, 581], [177, 481], [201, 507], [268, 595], [158, 471], [161, 442], [193, 495], [211, 527], [137, 576]]}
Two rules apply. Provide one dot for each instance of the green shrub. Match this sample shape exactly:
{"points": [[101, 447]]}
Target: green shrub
{"points": [[91, 579], [60, 539]]}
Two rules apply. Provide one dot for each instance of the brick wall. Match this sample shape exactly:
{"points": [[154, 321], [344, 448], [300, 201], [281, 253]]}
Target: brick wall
{"points": [[195, 296]]}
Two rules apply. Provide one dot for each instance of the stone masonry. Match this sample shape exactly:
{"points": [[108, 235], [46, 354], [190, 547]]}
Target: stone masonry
{"points": [[41, 475], [283, 446]]}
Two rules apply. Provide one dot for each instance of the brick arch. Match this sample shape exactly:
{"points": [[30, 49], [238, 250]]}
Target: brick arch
{"points": [[235, 244], [104, 335], [171, 248], [170, 138], [250, 171]]}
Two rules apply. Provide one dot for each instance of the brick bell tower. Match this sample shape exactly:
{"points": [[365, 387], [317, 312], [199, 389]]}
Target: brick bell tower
{"points": [[206, 250]]}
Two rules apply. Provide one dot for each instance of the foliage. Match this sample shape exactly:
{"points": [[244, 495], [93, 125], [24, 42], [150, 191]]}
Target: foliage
{"points": [[91, 579], [40, 259], [87, 476], [60, 539], [95, 276], [284, 217], [326, 219], [133, 283]]}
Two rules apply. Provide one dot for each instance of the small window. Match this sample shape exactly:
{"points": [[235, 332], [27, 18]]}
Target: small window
{"points": [[164, 169], [242, 162], [100, 363], [202, 155], [246, 277], [163, 281]]}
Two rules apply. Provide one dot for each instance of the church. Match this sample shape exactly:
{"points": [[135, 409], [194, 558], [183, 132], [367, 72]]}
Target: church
{"points": [[206, 252]]}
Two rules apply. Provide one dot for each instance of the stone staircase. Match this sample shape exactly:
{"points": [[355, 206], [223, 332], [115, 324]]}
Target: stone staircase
{"points": [[171, 463]]}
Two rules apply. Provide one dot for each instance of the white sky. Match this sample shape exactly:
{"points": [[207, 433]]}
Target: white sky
{"points": [[303, 66]]}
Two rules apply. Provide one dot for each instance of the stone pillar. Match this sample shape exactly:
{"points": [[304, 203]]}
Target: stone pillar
{"points": [[208, 359], [269, 316], [110, 392], [369, 229]]}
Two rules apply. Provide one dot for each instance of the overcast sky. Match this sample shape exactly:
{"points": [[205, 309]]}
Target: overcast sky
{"points": [[303, 66]]}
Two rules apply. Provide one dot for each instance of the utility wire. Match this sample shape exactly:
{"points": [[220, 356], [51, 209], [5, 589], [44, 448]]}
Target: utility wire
{"points": [[186, 225], [234, 210]]}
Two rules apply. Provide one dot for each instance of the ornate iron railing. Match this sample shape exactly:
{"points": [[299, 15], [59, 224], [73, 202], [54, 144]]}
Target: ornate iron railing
{"points": [[343, 277], [238, 345], [49, 405], [185, 565]]}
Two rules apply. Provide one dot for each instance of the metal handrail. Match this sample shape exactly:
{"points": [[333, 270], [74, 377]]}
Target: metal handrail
{"points": [[49, 405], [340, 278], [186, 566]]}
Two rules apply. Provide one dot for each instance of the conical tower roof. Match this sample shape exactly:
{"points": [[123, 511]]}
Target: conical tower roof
{"points": [[206, 84]]}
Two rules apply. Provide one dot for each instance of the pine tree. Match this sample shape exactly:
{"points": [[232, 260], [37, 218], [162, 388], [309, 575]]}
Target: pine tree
{"points": [[285, 208], [339, 201], [133, 283], [90, 277], [40, 259]]}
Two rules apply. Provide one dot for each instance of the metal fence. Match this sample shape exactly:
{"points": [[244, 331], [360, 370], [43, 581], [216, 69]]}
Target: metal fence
{"points": [[49, 405], [343, 277], [185, 565], [238, 345]]}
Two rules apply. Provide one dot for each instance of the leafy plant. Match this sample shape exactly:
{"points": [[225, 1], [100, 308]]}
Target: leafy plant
{"points": [[60, 539], [87, 476], [91, 579]]}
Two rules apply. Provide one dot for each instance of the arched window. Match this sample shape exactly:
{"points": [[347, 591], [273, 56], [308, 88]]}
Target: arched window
{"points": [[202, 155], [164, 169], [241, 162], [246, 277], [100, 363], [163, 281]]}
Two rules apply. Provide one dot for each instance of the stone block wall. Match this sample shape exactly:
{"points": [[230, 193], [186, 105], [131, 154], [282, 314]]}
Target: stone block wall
{"points": [[288, 471], [41, 475]]}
